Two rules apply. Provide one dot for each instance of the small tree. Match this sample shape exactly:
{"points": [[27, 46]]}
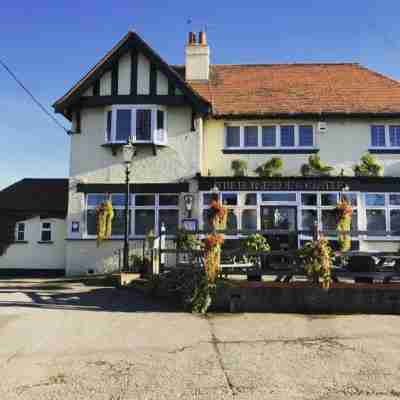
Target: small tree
{"points": [[315, 167], [368, 166], [271, 168], [239, 167]]}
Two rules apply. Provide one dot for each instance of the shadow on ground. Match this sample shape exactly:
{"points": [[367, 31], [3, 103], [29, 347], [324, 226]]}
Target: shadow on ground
{"points": [[73, 294]]}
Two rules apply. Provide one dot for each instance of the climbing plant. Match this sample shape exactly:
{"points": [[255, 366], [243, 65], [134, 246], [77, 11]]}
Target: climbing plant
{"points": [[344, 212], [270, 168]]}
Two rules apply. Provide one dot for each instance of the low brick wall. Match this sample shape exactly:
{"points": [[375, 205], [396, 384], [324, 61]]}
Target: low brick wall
{"points": [[308, 300]]}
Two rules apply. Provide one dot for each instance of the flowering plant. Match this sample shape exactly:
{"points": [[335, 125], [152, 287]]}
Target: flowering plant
{"points": [[218, 215], [344, 213], [213, 240], [104, 217]]}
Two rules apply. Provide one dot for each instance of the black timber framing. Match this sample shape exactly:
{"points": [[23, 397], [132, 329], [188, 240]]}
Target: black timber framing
{"points": [[96, 88], [171, 89], [131, 99], [77, 121], [172, 187], [131, 41], [134, 69], [114, 80], [153, 79]]}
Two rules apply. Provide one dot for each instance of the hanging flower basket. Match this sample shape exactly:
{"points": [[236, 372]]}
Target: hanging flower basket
{"points": [[104, 218], [218, 215], [344, 212]]}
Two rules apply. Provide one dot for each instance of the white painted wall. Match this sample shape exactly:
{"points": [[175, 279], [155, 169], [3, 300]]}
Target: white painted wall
{"points": [[162, 84], [143, 75], [105, 84], [124, 74], [34, 255]]}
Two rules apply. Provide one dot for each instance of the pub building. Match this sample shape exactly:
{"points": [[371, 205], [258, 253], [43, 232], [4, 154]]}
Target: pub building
{"points": [[189, 124]]}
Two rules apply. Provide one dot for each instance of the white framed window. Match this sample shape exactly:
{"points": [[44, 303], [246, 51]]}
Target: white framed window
{"points": [[20, 232], [147, 212], [141, 123], [382, 214], [46, 234], [264, 136], [384, 136]]}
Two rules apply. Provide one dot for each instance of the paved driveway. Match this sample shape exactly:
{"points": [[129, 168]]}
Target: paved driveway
{"points": [[65, 340]]}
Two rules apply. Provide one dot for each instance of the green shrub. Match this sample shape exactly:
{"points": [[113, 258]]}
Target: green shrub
{"points": [[270, 168], [315, 167], [368, 166], [239, 167]]}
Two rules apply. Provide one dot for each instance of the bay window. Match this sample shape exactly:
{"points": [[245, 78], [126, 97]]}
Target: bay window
{"points": [[143, 124]]}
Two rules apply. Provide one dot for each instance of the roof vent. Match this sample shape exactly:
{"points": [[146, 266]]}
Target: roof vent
{"points": [[322, 127]]}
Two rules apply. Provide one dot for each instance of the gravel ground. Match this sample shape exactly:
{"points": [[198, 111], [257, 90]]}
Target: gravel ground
{"points": [[67, 340]]}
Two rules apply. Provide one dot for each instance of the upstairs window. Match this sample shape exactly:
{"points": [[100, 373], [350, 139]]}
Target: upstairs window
{"points": [[385, 136], [269, 137], [143, 124], [46, 232], [20, 232]]}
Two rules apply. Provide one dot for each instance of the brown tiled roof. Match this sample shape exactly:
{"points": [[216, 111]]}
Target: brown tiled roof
{"points": [[286, 89]]}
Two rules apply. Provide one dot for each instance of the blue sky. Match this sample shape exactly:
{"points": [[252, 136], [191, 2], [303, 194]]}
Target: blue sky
{"points": [[52, 44]]}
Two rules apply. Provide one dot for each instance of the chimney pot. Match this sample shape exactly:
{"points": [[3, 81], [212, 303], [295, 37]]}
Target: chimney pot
{"points": [[192, 38], [202, 38]]}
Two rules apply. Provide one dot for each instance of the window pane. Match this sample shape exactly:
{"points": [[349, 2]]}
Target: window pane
{"points": [[118, 223], [145, 200], [378, 136], [21, 226], [352, 197], [208, 197], [95, 199], [308, 218], [232, 136], [269, 136], [91, 222], [395, 199], [374, 199], [249, 220], [170, 218], [376, 220], [329, 220], [354, 221], [21, 236], [46, 236], [306, 135], [46, 225], [251, 199], [329, 199], [232, 221], [229, 199], [123, 125], [169, 200], [119, 200], [251, 136], [143, 125], [160, 119], [395, 221], [278, 197], [309, 199], [206, 221], [109, 119], [287, 135], [394, 134], [144, 221]]}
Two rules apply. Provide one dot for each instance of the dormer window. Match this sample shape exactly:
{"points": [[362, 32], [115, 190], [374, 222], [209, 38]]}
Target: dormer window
{"points": [[141, 123]]}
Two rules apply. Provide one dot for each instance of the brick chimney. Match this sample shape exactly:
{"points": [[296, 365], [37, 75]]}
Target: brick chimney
{"points": [[197, 57]]}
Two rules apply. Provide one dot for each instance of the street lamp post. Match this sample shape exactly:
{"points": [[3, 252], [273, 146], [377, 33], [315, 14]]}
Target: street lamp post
{"points": [[128, 151]]}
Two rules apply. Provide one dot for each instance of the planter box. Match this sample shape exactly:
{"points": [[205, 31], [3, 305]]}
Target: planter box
{"points": [[269, 298]]}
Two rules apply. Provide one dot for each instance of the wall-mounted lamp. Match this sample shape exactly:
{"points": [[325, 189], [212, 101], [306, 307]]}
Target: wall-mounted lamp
{"points": [[215, 189], [188, 199], [345, 188]]}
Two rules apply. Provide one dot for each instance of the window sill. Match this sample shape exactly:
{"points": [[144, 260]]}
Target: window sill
{"points": [[387, 150], [20, 242], [296, 150], [45, 242]]}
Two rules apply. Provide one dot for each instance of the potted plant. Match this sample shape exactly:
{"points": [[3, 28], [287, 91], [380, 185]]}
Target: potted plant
{"points": [[368, 166], [270, 168], [315, 167], [239, 167]]}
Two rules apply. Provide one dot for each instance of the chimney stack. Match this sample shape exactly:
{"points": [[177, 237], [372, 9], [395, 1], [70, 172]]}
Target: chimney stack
{"points": [[197, 57]]}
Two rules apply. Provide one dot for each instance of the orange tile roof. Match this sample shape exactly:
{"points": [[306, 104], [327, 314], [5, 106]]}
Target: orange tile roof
{"points": [[298, 89]]}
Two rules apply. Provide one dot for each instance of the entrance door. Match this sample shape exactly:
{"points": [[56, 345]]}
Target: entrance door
{"points": [[280, 217]]}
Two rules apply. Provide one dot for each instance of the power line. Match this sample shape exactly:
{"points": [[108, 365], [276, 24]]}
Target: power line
{"points": [[30, 94]]}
